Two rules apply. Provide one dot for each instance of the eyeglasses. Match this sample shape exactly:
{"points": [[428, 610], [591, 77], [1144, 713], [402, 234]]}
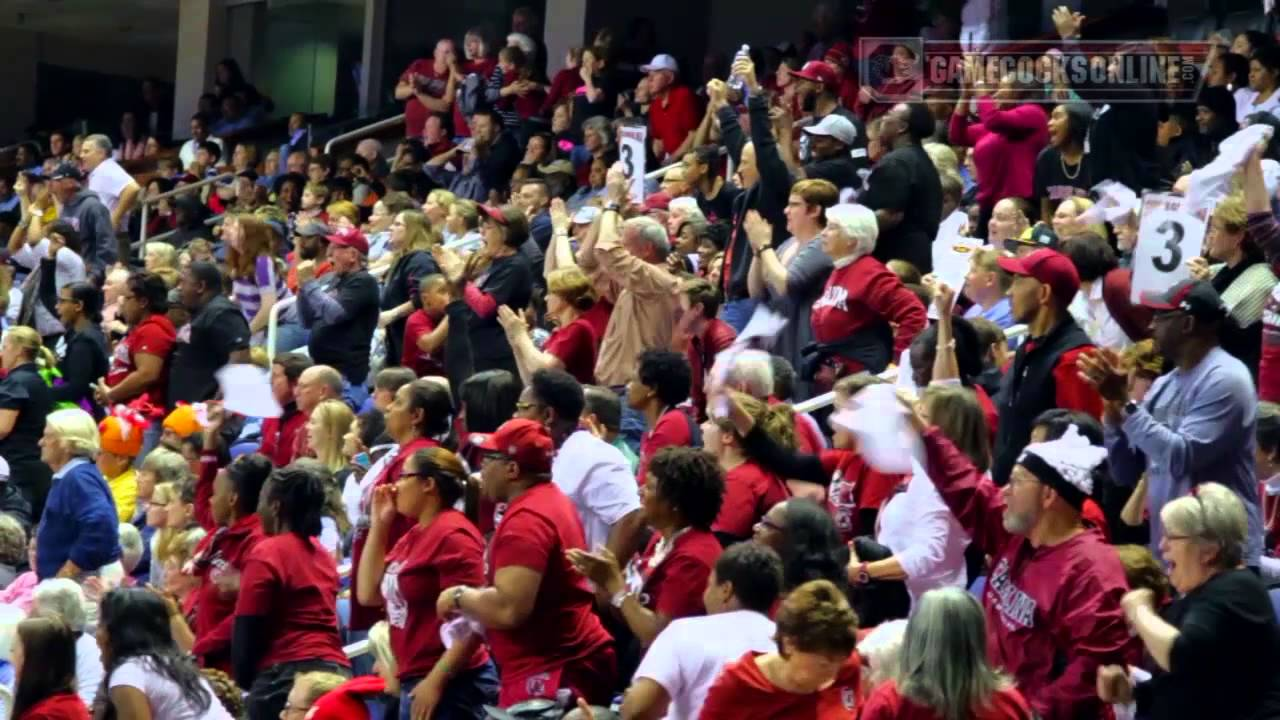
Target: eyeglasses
{"points": [[766, 524], [1172, 538], [495, 456], [412, 474]]}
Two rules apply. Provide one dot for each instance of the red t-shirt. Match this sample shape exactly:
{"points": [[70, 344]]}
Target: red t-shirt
{"points": [[428, 559], [362, 616], [749, 492], [886, 703], [294, 583], [742, 692], [419, 323], [575, 345], [63, 706], [855, 486], [153, 336], [673, 117], [537, 529], [701, 352], [671, 430], [415, 113], [673, 587], [598, 318], [859, 295]]}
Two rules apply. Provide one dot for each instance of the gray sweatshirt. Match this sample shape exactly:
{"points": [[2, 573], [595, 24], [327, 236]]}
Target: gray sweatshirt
{"points": [[1194, 426]]}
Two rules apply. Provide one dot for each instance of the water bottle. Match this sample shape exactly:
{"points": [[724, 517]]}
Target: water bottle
{"points": [[736, 83]]}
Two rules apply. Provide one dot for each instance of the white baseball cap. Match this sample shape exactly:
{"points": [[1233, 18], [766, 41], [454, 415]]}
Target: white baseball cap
{"points": [[837, 127], [661, 62]]}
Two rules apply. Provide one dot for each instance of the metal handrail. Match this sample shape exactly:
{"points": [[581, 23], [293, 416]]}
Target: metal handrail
{"points": [[361, 131], [1013, 332], [356, 649], [164, 236], [273, 321], [147, 201]]}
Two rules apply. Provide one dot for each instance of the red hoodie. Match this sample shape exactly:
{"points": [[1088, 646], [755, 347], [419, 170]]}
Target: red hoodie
{"points": [[855, 485], [857, 296], [280, 435], [224, 551], [1053, 612], [742, 692]]}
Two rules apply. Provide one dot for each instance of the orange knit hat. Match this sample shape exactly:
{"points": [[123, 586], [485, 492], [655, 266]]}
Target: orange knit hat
{"points": [[121, 432], [183, 421]]}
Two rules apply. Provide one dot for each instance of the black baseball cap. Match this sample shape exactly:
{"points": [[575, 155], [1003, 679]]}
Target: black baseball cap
{"points": [[1037, 236], [67, 171], [1196, 298]]}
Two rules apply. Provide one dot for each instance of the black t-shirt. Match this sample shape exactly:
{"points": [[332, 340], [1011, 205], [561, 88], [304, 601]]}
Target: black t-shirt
{"points": [[1054, 179], [344, 344], [400, 287], [1225, 663], [906, 180], [217, 330], [25, 391], [509, 281]]}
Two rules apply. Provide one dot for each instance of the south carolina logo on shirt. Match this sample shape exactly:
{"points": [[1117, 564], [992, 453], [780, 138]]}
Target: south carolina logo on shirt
{"points": [[836, 296], [397, 608], [536, 685], [1017, 609]]}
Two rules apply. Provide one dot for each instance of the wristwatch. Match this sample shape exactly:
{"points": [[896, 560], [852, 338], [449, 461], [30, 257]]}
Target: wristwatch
{"points": [[457, 598], [863, 577], [612, 206], [619, 598], [1130, 408]]}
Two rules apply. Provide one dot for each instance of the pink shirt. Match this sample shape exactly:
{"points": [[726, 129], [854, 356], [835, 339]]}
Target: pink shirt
{"points": [[20, 592], [1005, 145]]}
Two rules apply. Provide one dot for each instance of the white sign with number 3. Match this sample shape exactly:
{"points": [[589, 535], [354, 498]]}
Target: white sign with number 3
{"points": [[1169, 234], [631, 152]]}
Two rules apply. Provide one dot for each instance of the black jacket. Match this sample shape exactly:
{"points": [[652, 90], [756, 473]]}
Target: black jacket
{"points": [[340, 337], [768, 196], [85, 361], [1029, 390], [401, 286]]}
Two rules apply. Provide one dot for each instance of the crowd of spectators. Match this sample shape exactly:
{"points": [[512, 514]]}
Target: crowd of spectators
{"points": [[524, 457]]}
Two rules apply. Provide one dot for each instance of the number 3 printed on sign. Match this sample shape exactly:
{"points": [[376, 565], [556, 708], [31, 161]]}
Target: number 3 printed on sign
{"points": [[1172, 232], [1168, 234], [628, 161]]}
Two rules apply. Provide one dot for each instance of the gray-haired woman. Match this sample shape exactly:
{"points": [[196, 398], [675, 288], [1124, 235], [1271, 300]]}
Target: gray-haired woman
{"points": [[943, 671], [1217, 648], [63, 599]]}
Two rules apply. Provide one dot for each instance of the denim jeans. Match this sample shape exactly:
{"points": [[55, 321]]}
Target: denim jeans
{"points": [[462, 699], [737, 313]]}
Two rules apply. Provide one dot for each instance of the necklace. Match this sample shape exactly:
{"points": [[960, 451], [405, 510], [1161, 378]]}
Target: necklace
{"points": [[1062, 161]]}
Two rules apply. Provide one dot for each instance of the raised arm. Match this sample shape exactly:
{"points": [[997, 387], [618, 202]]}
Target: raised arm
{"points": [[972, 497]]}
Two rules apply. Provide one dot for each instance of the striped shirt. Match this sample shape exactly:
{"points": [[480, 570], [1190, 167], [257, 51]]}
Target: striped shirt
{"points": [[248, 291]]}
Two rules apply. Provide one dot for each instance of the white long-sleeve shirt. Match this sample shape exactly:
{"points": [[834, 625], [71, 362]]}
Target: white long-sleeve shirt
{"points": [[925, 537]]}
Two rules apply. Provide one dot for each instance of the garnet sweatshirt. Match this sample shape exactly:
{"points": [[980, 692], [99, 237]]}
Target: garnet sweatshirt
{"points": [[1053, 612]]}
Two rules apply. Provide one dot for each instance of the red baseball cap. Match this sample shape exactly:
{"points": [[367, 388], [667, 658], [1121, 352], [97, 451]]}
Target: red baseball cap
{"points": [[525, 441], [1049, 267], [819, 72], [347, 701], [350, 238], [495, 214]]}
